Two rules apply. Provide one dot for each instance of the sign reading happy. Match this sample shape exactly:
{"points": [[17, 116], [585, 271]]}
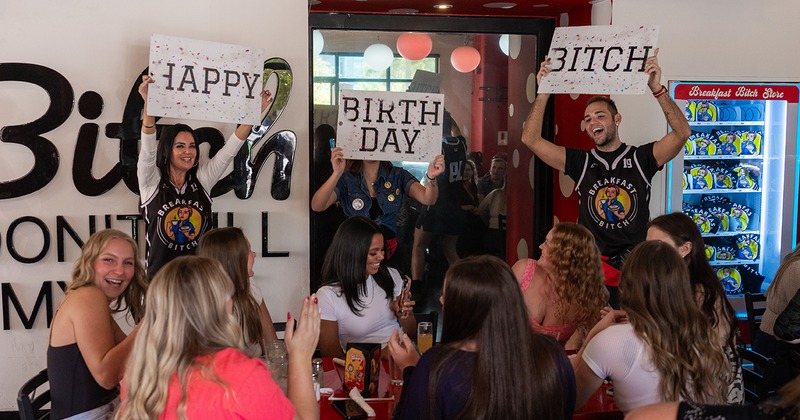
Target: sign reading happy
{"points": [[393, 126], [207, 81], [600, 59]]}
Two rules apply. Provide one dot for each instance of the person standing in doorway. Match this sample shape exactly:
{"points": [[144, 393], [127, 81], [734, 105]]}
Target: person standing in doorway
{"points": [[613, 179]]}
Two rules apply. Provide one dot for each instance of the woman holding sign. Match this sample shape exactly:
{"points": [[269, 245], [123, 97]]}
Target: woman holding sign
{"points": [[174, 188], [375, 189]]}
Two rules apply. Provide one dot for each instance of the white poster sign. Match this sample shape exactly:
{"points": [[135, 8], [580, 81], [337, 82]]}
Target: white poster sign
{"points": [[203, 80], [393, 126], [599, 59]]}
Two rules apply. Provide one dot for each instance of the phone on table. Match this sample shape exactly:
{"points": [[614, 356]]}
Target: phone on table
{"points": [[349, 409]]}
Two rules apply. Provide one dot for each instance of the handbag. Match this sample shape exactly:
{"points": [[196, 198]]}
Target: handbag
{"points": [[787, 326]]}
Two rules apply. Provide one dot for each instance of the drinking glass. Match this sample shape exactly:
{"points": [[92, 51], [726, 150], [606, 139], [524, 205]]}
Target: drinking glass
{"points": [[424, 336]]}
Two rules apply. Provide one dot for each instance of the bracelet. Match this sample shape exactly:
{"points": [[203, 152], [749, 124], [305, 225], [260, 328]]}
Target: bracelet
{"points": [[148, 126], [661, 92], [427, 176]]}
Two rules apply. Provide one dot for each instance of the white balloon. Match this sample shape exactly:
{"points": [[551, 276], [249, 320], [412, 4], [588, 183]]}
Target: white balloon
{"points": [[319, 42], [504, 44], [378, 57]]}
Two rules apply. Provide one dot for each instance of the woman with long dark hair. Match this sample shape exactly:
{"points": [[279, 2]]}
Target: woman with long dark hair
{"points": [[174, 188], [660, 346], [679, 231], [230, 247], [490, 364], [360, 298]]}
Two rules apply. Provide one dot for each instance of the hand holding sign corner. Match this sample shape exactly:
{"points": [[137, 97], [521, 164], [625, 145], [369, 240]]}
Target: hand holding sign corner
{"points": [[601, 60]]}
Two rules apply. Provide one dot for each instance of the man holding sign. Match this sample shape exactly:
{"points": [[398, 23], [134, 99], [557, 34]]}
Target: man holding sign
{"points": [[613, 179]]}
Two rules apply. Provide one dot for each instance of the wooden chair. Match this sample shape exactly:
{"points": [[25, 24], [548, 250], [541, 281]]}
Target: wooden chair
{"points": [[30, 404], [755, 304], [758, 378], [433, 318]]}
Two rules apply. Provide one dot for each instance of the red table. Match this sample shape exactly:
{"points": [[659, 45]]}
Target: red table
{"points": [[387, 393], [600, 404]]}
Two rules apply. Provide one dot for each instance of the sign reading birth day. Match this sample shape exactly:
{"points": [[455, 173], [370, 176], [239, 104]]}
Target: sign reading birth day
{"points": [[599, 59], [391, 126], [206, 81]]}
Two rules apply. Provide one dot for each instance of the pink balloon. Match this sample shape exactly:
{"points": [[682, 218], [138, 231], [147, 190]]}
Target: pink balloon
{"points": [[414, 46], [465, 59]]}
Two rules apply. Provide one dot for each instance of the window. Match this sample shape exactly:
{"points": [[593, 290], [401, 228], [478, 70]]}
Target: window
{"points": [[334, 71]]}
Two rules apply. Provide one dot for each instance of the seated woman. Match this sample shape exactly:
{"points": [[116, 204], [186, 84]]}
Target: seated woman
{"points": [[563, 296], [785, 285], [786, 408], [680, 231], [87, 352], [360, 298], [231, 248], [187, 361], [490, 364], [660, 346]]}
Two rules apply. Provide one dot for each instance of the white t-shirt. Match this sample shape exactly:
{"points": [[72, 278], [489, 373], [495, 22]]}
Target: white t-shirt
{"points": [[619, 354], [377, 320]]}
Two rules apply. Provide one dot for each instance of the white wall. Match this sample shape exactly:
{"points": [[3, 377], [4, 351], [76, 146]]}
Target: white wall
{"points": [[715, 40], [102, 46]]}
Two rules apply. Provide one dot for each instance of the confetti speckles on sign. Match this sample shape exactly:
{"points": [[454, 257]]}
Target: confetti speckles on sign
{"points": [[204, 80], [600, 59], [391, 126]]}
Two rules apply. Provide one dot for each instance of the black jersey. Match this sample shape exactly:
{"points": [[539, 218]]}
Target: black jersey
{"points": [[175, 219], [614, 194]]}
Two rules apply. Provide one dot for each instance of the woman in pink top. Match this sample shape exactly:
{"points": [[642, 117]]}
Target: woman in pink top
{"points": [[187, 361], [565, 289]]}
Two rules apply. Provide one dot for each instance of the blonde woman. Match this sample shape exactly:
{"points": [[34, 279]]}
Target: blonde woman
{"points": [[231, 248], [187, 362], [88, 350], [564, 290], [660, 346]]}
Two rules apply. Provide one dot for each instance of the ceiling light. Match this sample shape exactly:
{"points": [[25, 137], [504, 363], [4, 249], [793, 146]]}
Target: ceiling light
{"points": [[501, 5], [443, 6]]}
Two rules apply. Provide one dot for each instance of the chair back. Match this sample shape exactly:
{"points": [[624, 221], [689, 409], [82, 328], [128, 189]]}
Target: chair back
{"points": [[755, 304], [433, 318], [758, 375], [29, 402]]}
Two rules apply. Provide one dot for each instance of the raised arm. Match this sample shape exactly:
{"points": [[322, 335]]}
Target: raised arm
{"points": [[554, 156], [428, 194], [300, 346], [670, 145], [326, 194]]}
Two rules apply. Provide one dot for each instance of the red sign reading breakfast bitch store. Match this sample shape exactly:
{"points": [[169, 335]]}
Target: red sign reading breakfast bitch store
{"points": [[775, 92]]}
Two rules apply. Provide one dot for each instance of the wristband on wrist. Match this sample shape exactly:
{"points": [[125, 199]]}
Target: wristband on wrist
{"points": [[428, 176], [148, 126], [661, 92]]}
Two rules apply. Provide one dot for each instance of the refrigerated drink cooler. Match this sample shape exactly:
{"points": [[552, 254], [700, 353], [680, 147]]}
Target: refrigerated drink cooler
{"points": [[737, 177]]}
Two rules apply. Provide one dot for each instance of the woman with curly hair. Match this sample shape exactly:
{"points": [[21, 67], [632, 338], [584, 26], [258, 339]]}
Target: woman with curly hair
{"points": [[680, 231], [187, 360], [230, 247], [565, 290], [660, 346], [87, 352]]}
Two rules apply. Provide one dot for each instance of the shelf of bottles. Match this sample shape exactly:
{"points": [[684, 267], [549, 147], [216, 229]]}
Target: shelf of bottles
{"points": [[722, 189]]}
